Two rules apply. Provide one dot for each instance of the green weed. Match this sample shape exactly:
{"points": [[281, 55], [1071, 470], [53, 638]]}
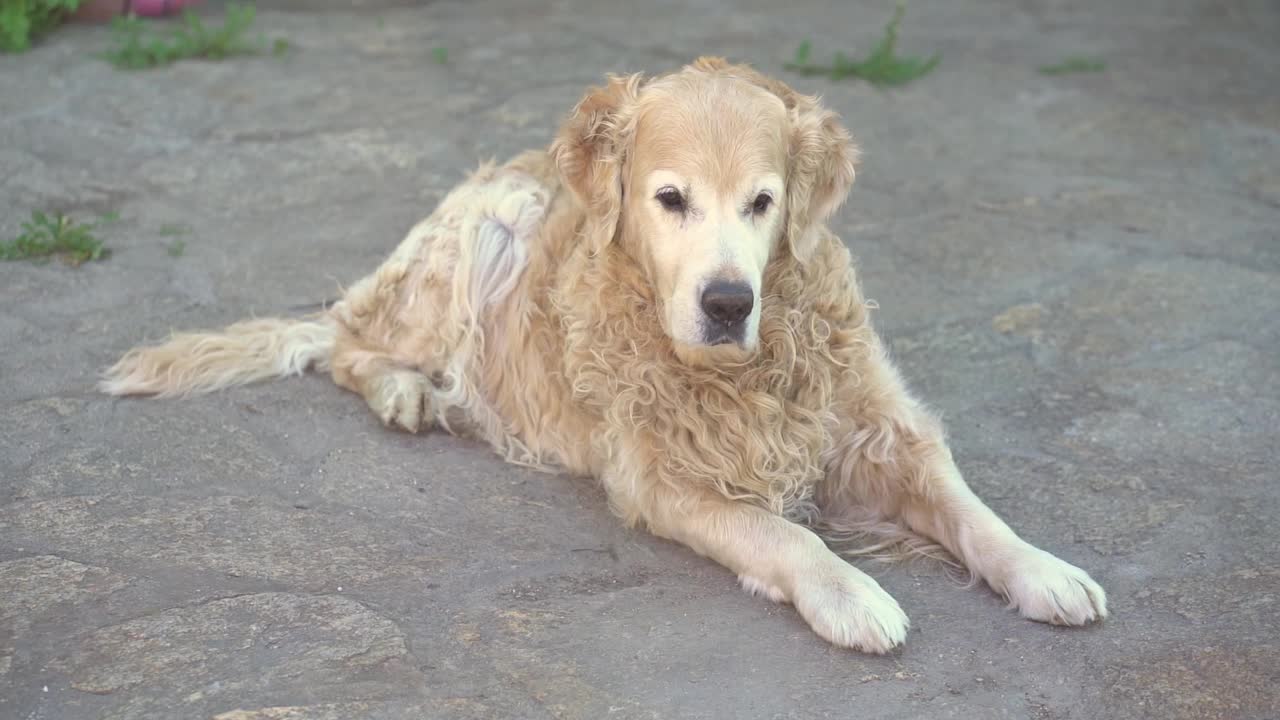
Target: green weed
{"points": [[23, 21], [46, 236], [1074, 64], [177, 246], [882, 67], [138, 45], [441, 55]]}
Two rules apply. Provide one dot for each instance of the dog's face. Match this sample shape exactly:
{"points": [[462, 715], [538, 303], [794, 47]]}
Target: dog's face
{"points": [[701, 176], [704, 197]]}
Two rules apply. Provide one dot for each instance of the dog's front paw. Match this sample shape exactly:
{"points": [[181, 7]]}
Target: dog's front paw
{"points": [[403, 399], [1050, 590], [851, 610]]}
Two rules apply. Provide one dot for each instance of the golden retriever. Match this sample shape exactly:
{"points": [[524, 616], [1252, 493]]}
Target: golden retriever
{"points": [[656, 301]]}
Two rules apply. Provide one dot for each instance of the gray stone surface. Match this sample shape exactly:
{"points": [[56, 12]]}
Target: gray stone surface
{"points": [[1082, 272]]}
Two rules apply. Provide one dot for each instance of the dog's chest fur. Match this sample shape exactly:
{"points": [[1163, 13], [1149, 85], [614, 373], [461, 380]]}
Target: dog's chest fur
{"points": [[755, 431]]}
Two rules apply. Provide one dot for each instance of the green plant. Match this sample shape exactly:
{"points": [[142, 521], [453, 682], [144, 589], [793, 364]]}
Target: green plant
{"points": [[48, 235], [440, 54], [1074, 64], [22, 21], [176, 246], [138, 46], [882, 67]]}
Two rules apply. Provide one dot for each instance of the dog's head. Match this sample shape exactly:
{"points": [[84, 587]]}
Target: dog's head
{"points": [[701, 177]]}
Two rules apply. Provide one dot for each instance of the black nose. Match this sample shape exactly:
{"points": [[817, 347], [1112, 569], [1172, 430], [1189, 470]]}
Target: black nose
{"points": [[727, 302]]}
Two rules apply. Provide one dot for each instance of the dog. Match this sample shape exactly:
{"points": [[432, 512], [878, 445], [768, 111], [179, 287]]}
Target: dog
{"points": [[656, 301]]}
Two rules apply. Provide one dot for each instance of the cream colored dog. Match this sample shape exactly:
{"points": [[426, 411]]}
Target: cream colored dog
{"points": [[656, 301]]}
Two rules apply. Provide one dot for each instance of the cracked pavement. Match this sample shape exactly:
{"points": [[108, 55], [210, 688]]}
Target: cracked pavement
{"points": [[1082, 272]]}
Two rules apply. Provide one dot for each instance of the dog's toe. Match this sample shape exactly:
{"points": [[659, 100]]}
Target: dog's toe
{"points": [[851, 610], [403, 400], [1047, 589]]}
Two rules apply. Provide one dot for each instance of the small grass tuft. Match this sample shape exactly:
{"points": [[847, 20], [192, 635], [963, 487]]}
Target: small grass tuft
{"points": [[1074, 64], [138, 46], [25, 21], [46, 236], [177, 246], [883, 67], [441, 55]]}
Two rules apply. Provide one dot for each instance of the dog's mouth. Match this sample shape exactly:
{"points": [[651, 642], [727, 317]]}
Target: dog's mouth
{"points": [[719, 333], [727, 353]]}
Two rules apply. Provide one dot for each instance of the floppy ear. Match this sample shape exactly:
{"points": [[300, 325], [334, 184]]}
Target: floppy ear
{"points": [[820, 173], [821, 157], [591, 151]]}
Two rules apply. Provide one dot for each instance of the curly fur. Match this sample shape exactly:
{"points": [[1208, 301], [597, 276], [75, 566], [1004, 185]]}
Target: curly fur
{"points": [[751, 431], [528, 310]]}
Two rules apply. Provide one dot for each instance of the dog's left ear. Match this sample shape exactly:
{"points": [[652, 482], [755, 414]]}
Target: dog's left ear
{"points": [[591, 152], [821, 171], [821, 159]]}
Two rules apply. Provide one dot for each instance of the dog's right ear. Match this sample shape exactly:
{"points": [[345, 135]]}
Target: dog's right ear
{"points": [[591, 153]]}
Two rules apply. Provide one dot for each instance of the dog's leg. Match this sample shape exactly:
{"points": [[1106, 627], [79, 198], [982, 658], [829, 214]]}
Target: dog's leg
{"points": [[400, 397], [1041, 586], [371, 328], [772, 557], [892, 462], [421, 313]]}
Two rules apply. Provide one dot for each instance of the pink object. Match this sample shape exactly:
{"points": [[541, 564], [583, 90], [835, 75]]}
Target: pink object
{"points": [[156, 8], [103, 10]]}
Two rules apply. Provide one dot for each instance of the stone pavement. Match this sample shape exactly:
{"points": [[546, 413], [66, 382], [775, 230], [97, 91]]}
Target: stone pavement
{"points": [[1081, 271]]}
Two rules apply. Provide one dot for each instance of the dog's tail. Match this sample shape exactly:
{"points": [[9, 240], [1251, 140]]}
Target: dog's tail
{"points": [[192, 363]]}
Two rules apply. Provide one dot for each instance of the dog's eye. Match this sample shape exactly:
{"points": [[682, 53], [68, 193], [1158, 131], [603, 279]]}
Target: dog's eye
{"points": [[671, 199], [761, 203]]}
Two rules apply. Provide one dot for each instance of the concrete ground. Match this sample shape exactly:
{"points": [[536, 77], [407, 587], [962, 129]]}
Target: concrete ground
{"points": [[1081, 271]]}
